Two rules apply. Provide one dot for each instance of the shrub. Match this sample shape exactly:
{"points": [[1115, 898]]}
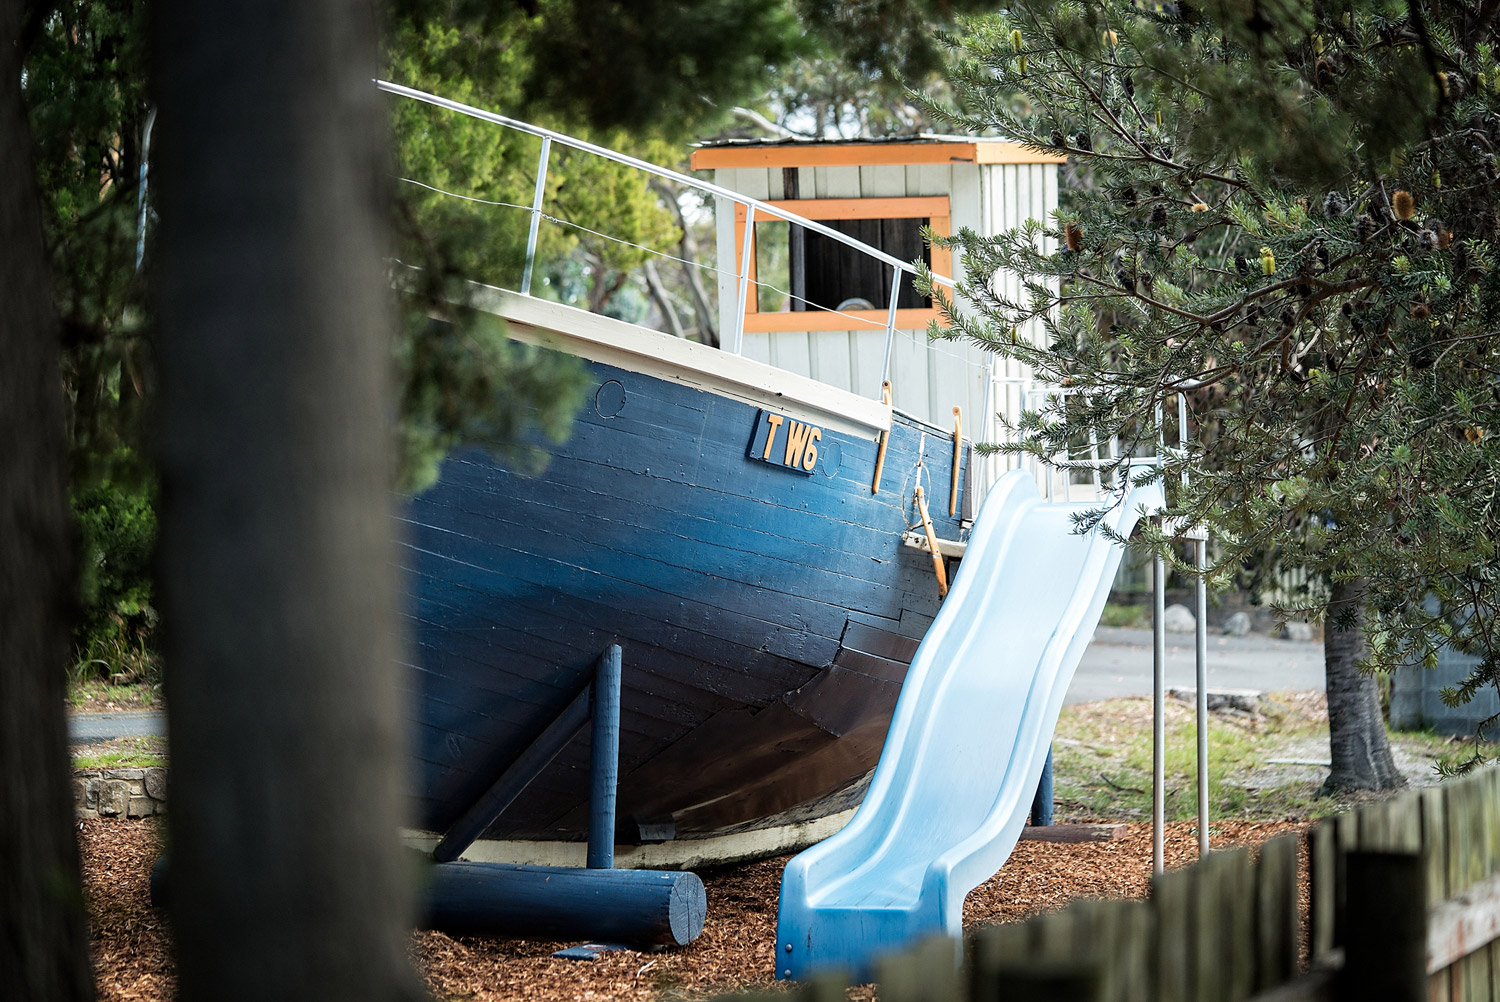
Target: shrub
{"points": [[116, 630]]}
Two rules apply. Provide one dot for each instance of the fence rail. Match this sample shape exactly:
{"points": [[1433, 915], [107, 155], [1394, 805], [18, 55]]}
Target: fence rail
{"points": [[1402, 903]]}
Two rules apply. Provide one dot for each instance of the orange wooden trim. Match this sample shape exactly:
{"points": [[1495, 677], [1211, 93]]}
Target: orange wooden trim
{"points": [[820, 155], [938, 567], [865, 208], [885, 439], [941, 257], [916, 207], [827, 320], [1002, 152], [958, 445], [983, 151], [884, 208]]}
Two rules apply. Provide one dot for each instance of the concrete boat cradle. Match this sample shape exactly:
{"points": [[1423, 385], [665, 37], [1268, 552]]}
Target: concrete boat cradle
{"points": [[762, 537]]}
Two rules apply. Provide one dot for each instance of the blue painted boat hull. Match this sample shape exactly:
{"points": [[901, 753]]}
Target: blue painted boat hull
{"points": [[767, 614]]}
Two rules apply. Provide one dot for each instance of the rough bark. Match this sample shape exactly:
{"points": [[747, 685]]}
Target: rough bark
{"points": [[43, 938], [687, 251], [663, 301], [1357, 739], [275, 558]]}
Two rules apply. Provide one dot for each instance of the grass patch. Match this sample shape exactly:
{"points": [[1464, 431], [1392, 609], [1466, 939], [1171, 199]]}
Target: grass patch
{"points": [[94, 695], [1261, 768], [122, 753], [1135, 616]]}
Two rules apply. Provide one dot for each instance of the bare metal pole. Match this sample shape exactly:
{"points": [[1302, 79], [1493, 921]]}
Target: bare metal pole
{"points": [[1200, 711], [536, 213], [1158, 714]]}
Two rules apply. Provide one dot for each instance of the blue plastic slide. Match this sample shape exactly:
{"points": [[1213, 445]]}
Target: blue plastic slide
{"points": [[968, 739]]}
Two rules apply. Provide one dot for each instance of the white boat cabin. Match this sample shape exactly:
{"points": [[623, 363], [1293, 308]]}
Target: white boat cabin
{"points": [[820, 309]]}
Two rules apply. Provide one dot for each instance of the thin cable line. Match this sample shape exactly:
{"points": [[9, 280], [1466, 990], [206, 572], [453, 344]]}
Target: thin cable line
{"points": [[466, 198]]}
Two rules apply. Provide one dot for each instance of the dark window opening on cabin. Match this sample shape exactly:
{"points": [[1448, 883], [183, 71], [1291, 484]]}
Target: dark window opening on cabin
{"points": [[803, 270]]}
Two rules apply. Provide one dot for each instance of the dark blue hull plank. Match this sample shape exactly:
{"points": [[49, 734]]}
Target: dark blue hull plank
{"points": [[767, 615]]}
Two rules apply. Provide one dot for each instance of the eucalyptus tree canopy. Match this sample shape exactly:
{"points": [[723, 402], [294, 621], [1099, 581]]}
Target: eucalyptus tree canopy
{"points": [[1288, 212]]}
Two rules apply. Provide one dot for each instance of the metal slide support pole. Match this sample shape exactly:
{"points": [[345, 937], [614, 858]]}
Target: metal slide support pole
{"points": [[1200, 711], [890, 326], [1158, 713], [737, 340], [604, 773], [536, 213]]}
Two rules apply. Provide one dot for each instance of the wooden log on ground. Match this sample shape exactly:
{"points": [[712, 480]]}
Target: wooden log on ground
{"points": [[632, 907], [1072, 833]]}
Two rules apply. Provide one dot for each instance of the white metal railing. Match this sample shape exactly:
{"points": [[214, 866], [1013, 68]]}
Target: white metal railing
{"points": [[753, 206]]}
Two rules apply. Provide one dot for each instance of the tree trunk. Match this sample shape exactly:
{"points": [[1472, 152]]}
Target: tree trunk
{"points": [[663, 300], [1361, 750], [43, 938], [276, 559], [687, 251]]}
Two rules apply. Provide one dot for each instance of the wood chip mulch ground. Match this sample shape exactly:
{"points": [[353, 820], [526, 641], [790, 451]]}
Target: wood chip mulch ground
{"points": [[132, 947]]}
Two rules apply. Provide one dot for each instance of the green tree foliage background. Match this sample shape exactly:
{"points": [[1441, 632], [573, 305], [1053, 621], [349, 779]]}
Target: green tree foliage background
{"points": [[1289, 214], [643, 78]]}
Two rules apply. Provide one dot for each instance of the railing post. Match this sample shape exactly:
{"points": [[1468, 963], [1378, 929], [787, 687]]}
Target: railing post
{"points": [[986, 417], [890, 326], [1200, 708], [1158, 713], [536, 213], [737, 341], [1182, 439]]}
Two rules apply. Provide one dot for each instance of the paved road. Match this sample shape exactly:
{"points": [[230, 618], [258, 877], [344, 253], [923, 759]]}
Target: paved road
{"points": [[89, 728], [1118, 663]]}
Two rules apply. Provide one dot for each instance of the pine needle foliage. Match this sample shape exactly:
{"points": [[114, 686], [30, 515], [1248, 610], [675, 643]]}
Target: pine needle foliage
{"points": [[1288, 212]]}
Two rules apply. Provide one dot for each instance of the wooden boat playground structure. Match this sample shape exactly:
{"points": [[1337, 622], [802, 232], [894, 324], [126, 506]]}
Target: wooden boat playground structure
{"points": [[736, 572]]}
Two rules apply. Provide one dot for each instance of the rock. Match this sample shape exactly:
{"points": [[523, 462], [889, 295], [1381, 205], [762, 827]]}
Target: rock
{"points": [[1177, 619], [140, 807], [90, 798], [126, 774], [1249, 701], [114, 798], [1237, 625], [156, 784], [1294, 630]]}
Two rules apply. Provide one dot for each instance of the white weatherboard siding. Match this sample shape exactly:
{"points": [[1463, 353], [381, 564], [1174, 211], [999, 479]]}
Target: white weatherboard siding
{"points": [[927, 379]]}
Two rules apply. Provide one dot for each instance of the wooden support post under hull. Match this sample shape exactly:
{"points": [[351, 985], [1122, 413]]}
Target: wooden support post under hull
{"points": [[514, 780], [604, 774]]}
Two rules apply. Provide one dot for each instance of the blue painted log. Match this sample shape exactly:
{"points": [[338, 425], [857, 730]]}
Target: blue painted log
{"points": [[604, 776], [483, 812], [634, 907]]}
